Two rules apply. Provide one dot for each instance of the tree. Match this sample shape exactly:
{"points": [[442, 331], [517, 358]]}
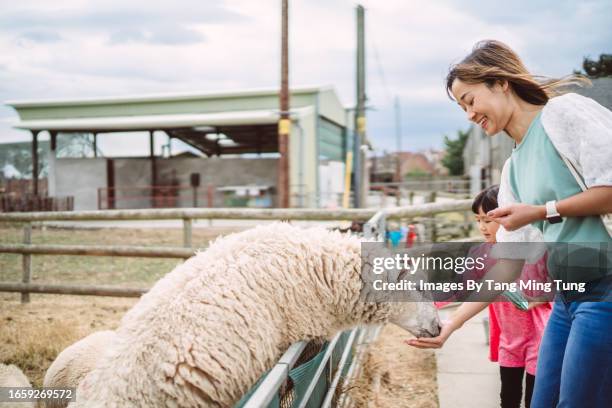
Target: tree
{"points": [[598, 69], [453, 159], [416, 173], [77, 145], [18, 156]]}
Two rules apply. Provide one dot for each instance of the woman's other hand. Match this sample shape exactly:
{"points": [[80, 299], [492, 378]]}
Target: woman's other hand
{"points": [[516, 216]]}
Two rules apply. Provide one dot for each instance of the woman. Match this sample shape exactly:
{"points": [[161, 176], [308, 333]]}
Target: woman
{"points": [[498, 93]]}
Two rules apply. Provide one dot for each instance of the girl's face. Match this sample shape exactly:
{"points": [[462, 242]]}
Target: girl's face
{"points": [[487, 227], [488, 107]]}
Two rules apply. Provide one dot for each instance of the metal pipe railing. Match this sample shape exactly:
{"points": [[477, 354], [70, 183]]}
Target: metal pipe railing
{"points": [[315, 378], [329, 397], [276, 377]]}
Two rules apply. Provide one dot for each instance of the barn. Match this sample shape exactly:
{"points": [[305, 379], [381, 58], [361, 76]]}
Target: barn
{"points": [[233, 148]]}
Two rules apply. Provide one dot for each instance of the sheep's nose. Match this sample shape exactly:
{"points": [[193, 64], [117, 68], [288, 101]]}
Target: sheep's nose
{"points": [[434, 332]]}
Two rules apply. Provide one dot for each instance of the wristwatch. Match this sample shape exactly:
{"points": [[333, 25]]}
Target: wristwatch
{"points": [[552, 215]]}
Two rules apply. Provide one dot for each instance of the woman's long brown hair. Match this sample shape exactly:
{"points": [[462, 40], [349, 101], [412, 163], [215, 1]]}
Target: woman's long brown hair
{"points": [[493, 61]]}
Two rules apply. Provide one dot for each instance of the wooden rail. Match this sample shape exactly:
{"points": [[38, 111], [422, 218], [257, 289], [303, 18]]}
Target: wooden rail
{"points": [[90, 290], [313, 214], [27, 249], [95, 250]]}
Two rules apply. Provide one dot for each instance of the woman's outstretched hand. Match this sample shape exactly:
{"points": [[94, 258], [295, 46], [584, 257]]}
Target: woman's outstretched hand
{"points": [[516, 216], [433, 342]]}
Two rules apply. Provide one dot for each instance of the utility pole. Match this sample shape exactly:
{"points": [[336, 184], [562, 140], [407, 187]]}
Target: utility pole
{"points": [[398, 139], [360, 120], [398, 157], [284, 124]]}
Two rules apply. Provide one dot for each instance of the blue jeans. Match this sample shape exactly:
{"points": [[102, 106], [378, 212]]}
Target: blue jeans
{"points": [[575, 359]]}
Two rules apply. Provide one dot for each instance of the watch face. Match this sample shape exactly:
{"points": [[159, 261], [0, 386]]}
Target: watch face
{"points": [[555, 219]]}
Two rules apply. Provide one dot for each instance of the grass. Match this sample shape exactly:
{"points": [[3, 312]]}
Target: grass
{"points": [[98, 270], [32, 335]]}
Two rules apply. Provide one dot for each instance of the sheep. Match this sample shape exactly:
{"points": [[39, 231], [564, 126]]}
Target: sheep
{"points": [[75, 362], [12, 376], [207, 331]]}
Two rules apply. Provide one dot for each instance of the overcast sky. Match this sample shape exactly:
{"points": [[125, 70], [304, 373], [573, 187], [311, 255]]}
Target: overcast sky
{"points": [[86, 48]]}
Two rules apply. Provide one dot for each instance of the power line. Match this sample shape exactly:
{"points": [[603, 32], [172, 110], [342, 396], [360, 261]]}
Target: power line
{"points": [[379, 65]]}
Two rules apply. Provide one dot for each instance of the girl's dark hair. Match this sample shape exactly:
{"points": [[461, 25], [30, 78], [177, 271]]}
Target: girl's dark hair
{"points": [[486, 199], [493, 61]]}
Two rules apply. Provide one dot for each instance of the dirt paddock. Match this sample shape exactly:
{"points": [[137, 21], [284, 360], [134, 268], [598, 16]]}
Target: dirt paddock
{"points": [[395, 375], [32, 335]]}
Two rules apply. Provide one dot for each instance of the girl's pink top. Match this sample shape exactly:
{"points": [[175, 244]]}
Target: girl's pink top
{"points": [[514, 334]]}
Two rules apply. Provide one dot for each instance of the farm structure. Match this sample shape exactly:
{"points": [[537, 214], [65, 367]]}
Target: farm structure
{"points": [[233, 139]]}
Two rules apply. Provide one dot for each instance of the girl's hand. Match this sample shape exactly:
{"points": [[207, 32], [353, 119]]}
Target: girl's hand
{"points": [[433, 342], [516, 216]]}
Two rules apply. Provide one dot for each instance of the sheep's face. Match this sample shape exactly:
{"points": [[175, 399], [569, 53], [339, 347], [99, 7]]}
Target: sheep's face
{"points": [[419, 318], [410, 310]]}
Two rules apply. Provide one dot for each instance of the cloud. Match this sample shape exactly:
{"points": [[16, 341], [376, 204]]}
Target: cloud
{"points": [[127, 35], [117, 47], [113, 14], [39, 36], [175, 35], [164, 35]]}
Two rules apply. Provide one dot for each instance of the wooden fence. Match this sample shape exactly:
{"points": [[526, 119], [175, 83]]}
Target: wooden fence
{"points": [[27, 249], [30, 202], [348, 345]]}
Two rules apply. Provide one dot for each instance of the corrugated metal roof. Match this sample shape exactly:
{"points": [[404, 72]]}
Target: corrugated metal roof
{"points": [[146, 122], [159, 97]]}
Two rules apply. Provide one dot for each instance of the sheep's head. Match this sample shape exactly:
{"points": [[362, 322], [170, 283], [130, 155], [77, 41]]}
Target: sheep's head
{"points": [[419, 318], [408, 308], [411, 311]]}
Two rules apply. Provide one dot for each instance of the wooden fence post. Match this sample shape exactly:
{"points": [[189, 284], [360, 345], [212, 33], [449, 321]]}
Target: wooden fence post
{"points": [[187, 232], [434, 226], [467, 223], [26, 261]]}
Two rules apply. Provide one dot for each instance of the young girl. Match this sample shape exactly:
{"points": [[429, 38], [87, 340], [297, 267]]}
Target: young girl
{"points": [[514, 334]]}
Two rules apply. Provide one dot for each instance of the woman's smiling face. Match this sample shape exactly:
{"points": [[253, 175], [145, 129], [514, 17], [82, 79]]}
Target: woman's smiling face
{"points": [[487, 106]]}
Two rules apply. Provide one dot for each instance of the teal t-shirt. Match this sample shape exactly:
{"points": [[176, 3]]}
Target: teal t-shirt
{"points": [[538, 174]]}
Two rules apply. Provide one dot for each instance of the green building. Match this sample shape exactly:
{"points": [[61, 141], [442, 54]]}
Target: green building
{"points": [[236, 132]]}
